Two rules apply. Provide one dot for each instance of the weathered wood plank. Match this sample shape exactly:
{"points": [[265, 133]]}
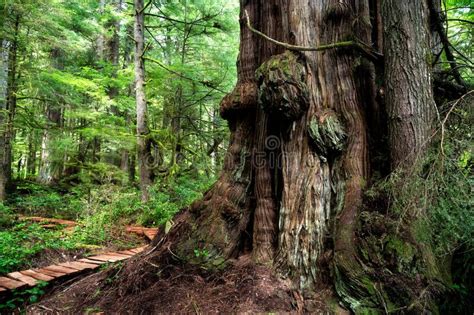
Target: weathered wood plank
{"points": [[138, 250], [117, 254], [51, 273], [108, 258], [57, 268], [10, 283], [150, 234], [79, 265], [89, 260], [23, 278], [37, 275]]}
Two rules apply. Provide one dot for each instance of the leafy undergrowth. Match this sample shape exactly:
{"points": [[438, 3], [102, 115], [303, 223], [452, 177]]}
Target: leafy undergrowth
{"points": [[23, 241]]}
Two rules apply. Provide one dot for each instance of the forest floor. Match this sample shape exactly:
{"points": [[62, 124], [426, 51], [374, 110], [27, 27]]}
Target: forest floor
{"points": [[241, 288]]}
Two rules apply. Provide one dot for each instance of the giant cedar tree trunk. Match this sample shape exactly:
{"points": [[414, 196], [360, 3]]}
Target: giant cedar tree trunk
{"points": [[301, 124], [291, 186], [297, 158]]}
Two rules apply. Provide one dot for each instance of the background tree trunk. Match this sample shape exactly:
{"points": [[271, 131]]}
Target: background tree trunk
{"points": [[51, 166], [143, 141], [4, 61], [8, 107], [409, 97]]}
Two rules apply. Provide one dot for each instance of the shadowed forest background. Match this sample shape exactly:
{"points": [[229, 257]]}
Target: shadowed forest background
{"points": [[77, 144]]}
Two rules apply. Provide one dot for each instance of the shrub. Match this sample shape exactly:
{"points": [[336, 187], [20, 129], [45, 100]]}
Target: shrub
{"points": [[40, 200], [6, 216], [23, 241]]}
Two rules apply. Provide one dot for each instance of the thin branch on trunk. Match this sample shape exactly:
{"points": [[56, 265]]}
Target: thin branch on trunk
{"points": [[366, 50]]}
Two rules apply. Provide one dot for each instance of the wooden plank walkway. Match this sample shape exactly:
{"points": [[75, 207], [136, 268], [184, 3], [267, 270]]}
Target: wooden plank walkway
{"points": [[150, 233], [31, 277]]}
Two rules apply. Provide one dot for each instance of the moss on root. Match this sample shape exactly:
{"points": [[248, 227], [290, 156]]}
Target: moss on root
{"points": [[393, 273]]}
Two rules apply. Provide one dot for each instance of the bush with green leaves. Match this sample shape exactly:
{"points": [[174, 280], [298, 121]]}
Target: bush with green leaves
{"points": [[40, 200], [435, 200], [6, 217]]}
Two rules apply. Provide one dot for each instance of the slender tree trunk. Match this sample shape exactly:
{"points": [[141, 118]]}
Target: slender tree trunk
{"points": [[101, 38], [143, 141], [51, 167], [437, 24], [31, 160], [113, 50], [4, 62], [127, 157], [8, 107]]}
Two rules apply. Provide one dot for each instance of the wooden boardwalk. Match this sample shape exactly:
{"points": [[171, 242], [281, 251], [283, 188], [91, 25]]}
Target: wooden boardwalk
{"points": [[31, 277]]}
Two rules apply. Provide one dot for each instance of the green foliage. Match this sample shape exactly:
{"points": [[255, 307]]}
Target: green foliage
{"points": [[24, 296], [109, 207], [460, 21], [40, 200], [441, 190], [20, 243], [6, 217], [435, 201]]}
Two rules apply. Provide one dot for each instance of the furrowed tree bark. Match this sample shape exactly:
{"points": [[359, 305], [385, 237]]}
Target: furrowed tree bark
{"points": [[143, 141], [409, 97]]}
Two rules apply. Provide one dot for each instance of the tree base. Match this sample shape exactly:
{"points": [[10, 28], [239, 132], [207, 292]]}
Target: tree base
{"points": [[242, 287]]}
